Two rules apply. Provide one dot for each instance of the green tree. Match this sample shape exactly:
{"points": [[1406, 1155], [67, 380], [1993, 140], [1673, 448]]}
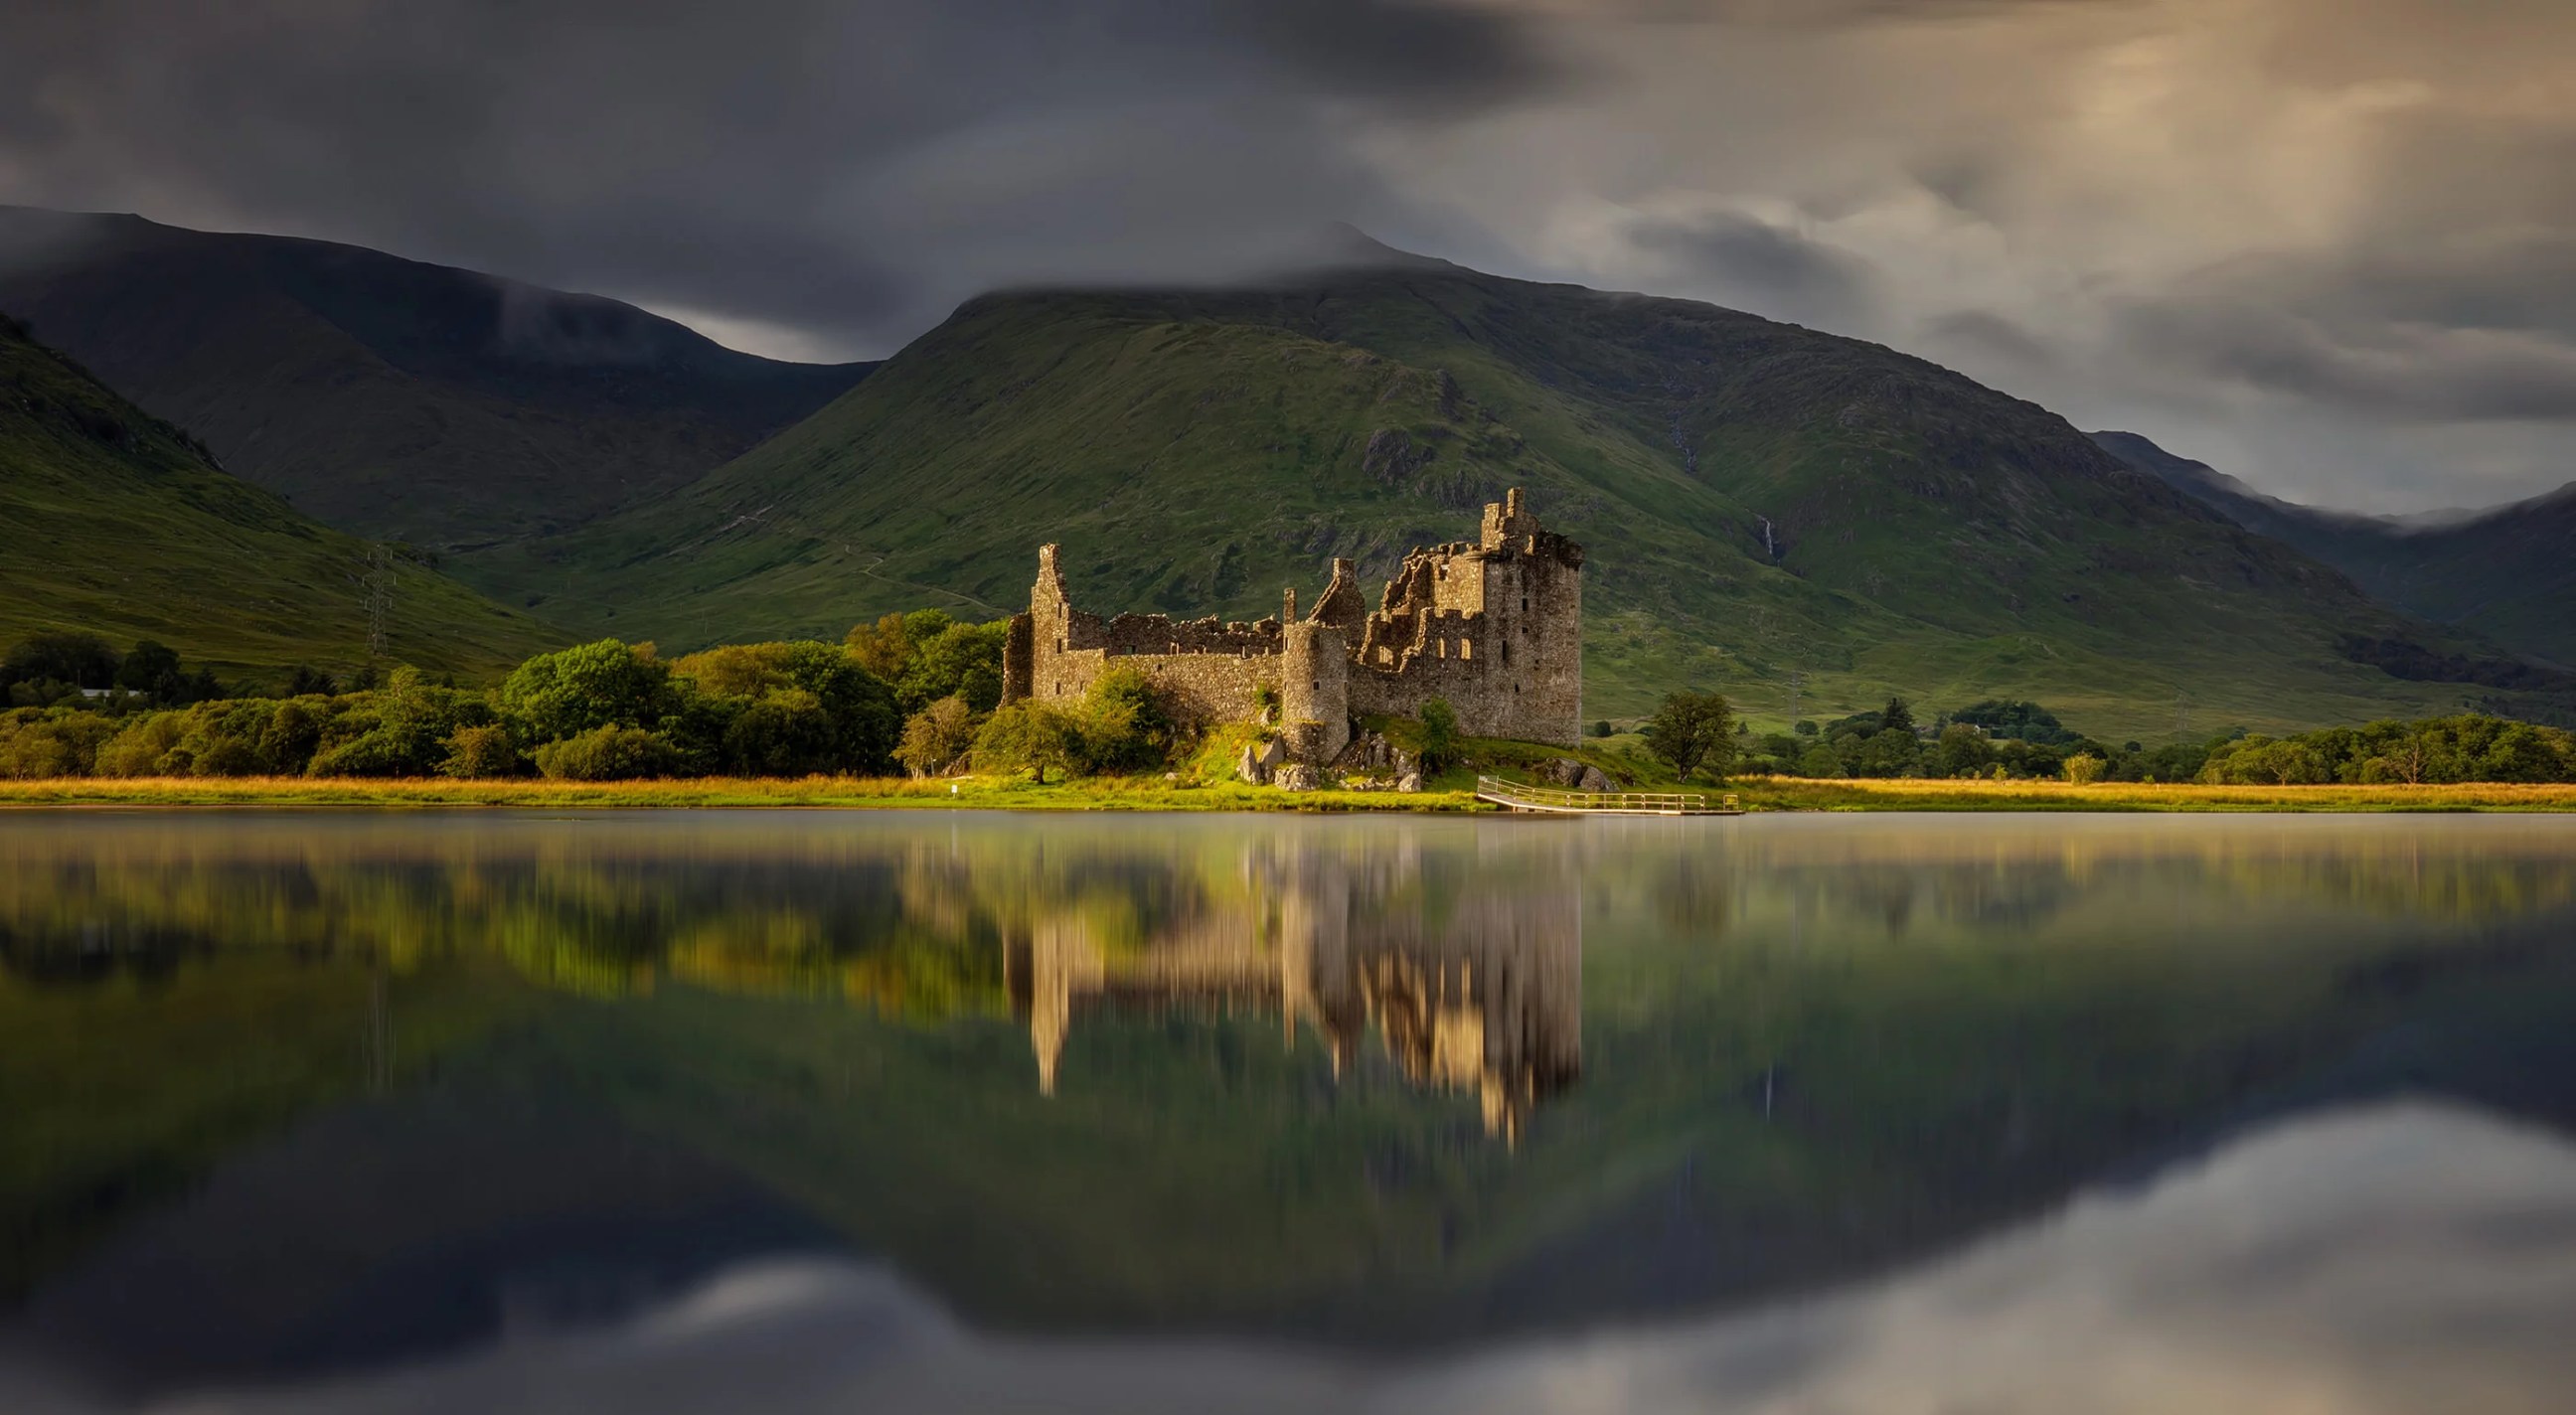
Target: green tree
{"points": [[1962, 752], [935, 737], [2083, 768], [152, 669], [959, 660], [607, 683], [1692, 730], [784, 732], [1439, 735], [62, 656]]}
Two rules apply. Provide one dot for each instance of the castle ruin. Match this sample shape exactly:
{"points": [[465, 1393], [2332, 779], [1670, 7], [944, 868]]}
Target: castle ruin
{"points": [[1493, 627]]}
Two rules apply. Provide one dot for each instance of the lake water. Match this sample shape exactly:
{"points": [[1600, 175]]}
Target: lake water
{"points": [[789, 1111]]}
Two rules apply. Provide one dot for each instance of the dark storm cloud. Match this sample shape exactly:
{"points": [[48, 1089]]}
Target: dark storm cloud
{"points": [[1768, 269], [2362, 1261], [853, 168], [2395, 371], [2328, 242], [1997, 338]]}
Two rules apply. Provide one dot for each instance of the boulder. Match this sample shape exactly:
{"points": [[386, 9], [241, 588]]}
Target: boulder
{"points": [[1592, 779], [1272, 754], [1409, 782], [1295, 776], [1250, 767]]}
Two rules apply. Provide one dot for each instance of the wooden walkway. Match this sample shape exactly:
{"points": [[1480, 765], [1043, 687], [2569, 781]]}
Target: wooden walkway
{"points": [[1551, 800]]}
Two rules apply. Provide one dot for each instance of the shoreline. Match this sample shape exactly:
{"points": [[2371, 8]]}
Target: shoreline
{"points": [[1760, 795]]}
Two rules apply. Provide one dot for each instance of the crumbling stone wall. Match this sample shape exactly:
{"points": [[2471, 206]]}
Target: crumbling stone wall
{"points": [[1493, 626]]}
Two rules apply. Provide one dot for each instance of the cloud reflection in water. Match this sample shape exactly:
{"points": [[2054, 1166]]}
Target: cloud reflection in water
{"points": [[2405, 1256]]}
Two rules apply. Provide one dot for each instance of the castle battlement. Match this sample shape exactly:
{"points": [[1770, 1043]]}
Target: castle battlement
{"points": [[1493, 627]]}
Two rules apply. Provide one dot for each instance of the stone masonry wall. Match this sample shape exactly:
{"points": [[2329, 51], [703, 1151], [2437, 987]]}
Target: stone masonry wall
{"points": [[1495, 628]]}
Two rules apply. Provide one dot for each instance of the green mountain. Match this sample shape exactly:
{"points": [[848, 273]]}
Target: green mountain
{"points": [[2508, 572], [391, 398], [1806, 521], [115, 522]]}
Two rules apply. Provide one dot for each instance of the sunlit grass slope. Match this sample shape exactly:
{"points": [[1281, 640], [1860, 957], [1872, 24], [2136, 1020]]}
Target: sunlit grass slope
{"points": [[112, 522]]}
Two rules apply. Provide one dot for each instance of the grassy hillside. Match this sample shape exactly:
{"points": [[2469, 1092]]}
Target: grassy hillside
{"points": [[2508, 573], [388, 397], [114, 522], [1793, 517]]}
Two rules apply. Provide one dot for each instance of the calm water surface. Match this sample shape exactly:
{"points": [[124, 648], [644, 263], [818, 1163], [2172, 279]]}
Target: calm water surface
{"points": [[751, 1112]]}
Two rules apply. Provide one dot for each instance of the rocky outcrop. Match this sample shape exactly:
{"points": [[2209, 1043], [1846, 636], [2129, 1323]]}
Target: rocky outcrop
{"points": [[1576, 776]]}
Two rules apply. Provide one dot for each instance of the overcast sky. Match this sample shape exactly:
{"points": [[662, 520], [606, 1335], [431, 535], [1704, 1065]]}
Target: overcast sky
{"points": [[2328, 245]]}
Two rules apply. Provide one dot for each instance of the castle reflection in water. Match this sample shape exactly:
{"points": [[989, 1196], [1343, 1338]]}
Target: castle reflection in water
{"points": [[1476, 989]]}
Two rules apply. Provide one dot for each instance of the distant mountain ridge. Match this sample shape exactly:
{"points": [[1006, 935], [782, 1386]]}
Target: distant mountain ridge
{"points": [[2508, 572], [1807, 521], [114, 522], [396, 399]]}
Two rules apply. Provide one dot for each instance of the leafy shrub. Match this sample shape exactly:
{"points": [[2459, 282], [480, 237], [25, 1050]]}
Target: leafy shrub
{"points": [[1126, 726], [148, 746], [402, 730], [608, 753], [1033, 737], [35, 744], [479, 753], [2083, 768], [787, 709]]}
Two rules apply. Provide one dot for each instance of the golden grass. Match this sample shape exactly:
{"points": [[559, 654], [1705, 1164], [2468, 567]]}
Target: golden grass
{"points": [[1097, 794], [1792, 794], [1154, 794]]}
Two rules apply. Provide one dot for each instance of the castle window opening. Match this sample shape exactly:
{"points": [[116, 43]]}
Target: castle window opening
{"points": [[1466, 648]]}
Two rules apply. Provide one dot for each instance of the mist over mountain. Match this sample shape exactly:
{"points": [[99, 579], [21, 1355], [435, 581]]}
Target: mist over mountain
{"points": [[388, 397]]}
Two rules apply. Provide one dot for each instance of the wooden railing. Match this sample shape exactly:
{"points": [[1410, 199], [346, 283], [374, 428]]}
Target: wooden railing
{"points": [[1523, 797]]}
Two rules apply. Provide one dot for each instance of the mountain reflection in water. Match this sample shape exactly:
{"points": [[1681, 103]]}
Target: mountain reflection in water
{"points": [[752, 1111]]}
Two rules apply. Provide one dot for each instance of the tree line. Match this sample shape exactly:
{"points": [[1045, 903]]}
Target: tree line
{"points": [[921, 692], [2002, 739], [918, 692]]}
